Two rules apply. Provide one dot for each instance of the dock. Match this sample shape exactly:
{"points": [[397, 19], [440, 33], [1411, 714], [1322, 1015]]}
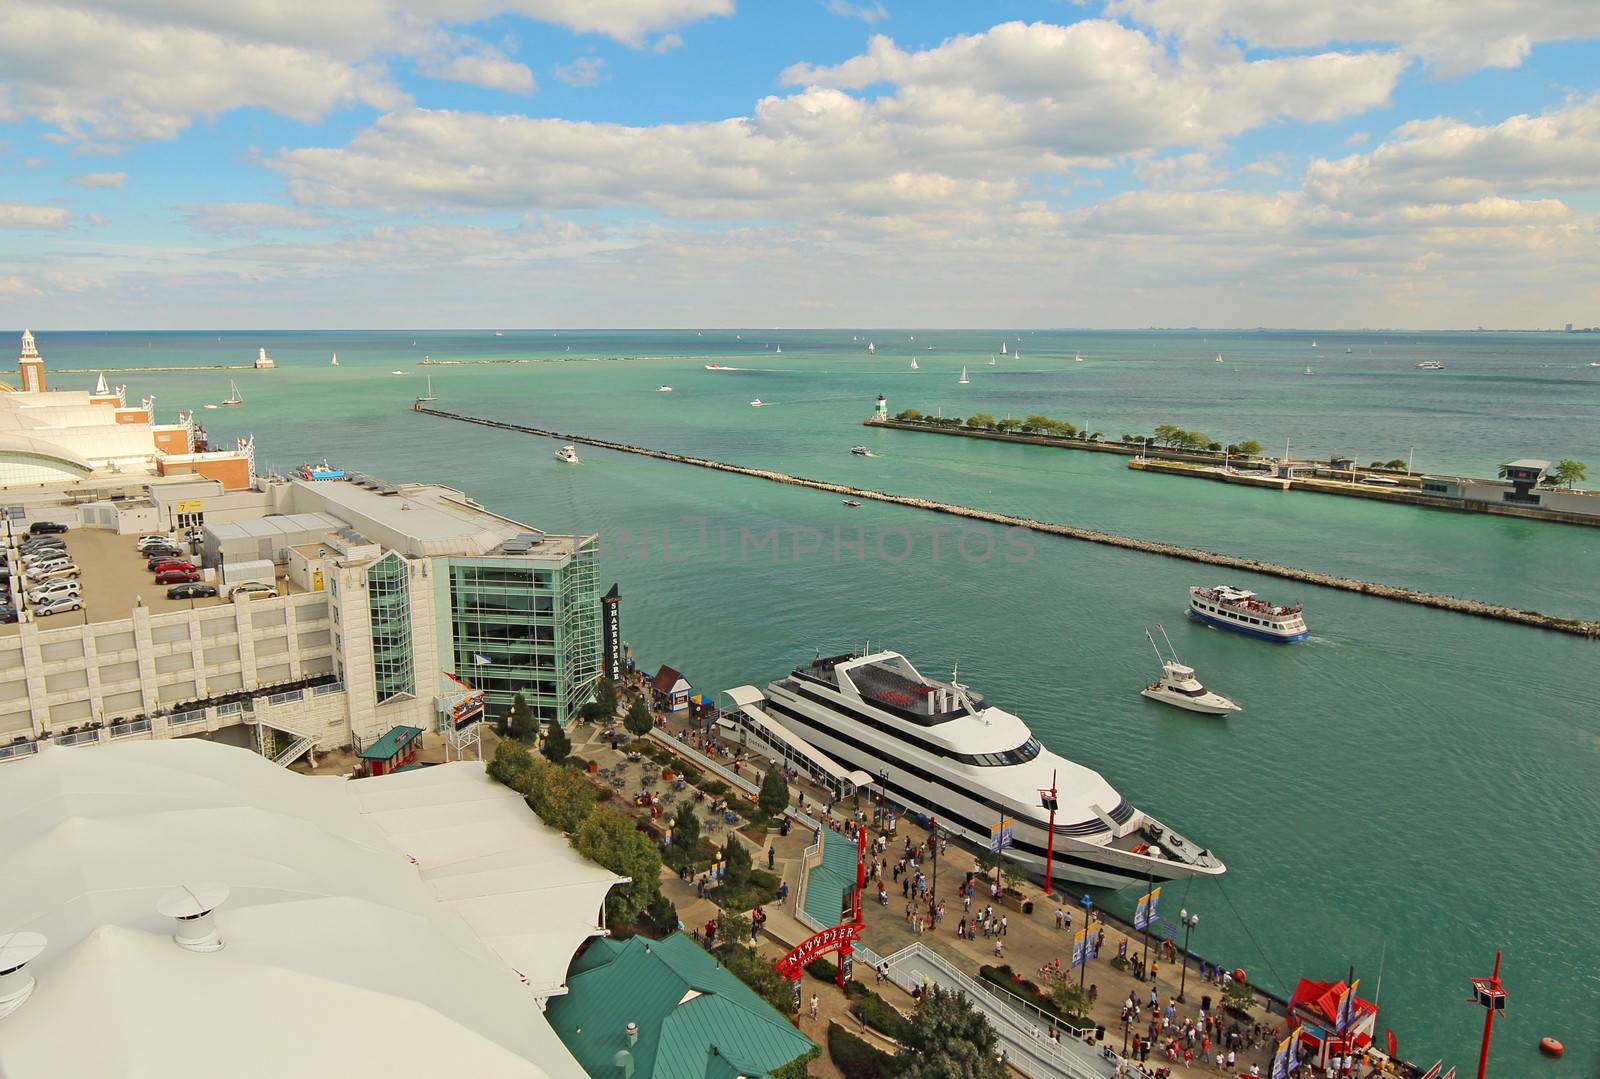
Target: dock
{"points": [[1477, 608]]}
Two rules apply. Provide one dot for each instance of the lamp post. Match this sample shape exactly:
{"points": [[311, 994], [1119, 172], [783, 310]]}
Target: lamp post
{"points": [[1127, 1018], [933, 852], [1088, 909], [1050, 800], [1188, 921]]}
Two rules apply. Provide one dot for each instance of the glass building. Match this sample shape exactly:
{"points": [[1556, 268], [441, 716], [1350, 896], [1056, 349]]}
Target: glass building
{"points": [[389, 603]]}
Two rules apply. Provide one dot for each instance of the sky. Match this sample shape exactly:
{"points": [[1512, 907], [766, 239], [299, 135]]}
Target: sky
{"points": [[689, 163]]}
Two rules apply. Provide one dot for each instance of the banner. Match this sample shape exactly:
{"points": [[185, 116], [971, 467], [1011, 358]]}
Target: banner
{"points": [[1346, 1012], [1092, 942], [1148, 910], [1281, 1058], [1080, 947], [1000, 835]]}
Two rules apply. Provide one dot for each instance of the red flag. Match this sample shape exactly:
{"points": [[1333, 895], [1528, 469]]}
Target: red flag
{"points": [[1394, 1046]]}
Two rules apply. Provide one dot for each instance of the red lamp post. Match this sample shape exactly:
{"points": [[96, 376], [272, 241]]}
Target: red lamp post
{"points": [[1490, 993], [1048, 800]]}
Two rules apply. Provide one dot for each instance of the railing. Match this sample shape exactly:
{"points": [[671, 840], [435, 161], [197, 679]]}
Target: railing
{"points": [[230, 708], [287, 697], [183, 719], [77, 739], [294, 751], [18, 750], [327, 688], [132, 726]]}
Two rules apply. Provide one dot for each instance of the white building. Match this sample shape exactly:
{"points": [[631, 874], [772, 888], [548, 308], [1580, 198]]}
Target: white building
{"points": [[408, 925]]}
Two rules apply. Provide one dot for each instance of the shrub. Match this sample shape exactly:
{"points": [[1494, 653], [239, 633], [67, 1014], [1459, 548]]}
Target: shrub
{"points": [[823, 969], [715, 789], [881, 1016], [855, 1058], [580, 763], [691, 775]]}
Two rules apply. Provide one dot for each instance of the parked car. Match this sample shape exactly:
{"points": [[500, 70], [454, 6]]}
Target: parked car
{"points": [[44, 543], [43, 553], [252, 590], [156, 565], [177, 576], [42, 528], [192, 591], [57, 606], [155, 538], [50, 590], [37, 572], [62, 572], [8, 613]]}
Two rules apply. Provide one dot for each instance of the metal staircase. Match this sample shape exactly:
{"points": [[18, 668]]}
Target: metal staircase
{"points": [[295, 751]]}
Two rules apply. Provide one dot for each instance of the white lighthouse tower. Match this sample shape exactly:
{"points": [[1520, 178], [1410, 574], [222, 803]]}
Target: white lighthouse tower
{"points": [[30, 366], [881, 410]]}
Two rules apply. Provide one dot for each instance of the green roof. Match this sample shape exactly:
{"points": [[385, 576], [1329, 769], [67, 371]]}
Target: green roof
{"points": [[391, 743], [696, 1020], [831, 880]]}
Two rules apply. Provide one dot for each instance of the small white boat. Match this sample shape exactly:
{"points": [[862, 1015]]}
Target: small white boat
{"points": [[663, 389], [860, 451], [429, 395], [1436, 365], [498, 333], [914, 366], [568, 455], [1595, 364], [1178, 686], [963, 380], [335, 360], [1347, 350], [397, 372], [756, 403], [1078, 358], [211, 406]]}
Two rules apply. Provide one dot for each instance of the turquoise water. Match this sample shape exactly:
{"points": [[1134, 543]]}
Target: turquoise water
{"points": [[1407, 792]]}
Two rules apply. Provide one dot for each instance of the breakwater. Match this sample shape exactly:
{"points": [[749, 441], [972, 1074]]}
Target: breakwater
{"points": [[143, 370], [1477, 608]]}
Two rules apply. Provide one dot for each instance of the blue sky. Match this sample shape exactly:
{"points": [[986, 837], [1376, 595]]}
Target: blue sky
{"points": [[175, 163]]}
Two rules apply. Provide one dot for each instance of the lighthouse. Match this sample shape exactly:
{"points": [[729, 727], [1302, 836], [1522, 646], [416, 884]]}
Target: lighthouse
{"points": [[881, 410], [30, 366]]}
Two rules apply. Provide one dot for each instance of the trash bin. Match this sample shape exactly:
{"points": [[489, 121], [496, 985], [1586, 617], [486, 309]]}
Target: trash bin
{"points": [[1205, 1003], [1099, 1032]]}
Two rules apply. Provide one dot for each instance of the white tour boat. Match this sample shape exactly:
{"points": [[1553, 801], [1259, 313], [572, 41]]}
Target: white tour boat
{"points": [[1243, 612], [568, 455], [941, 749], [1178, 686]]}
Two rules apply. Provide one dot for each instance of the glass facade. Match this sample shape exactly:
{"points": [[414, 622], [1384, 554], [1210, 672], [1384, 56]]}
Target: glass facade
{"points": [[526, 627], [389, 602]]}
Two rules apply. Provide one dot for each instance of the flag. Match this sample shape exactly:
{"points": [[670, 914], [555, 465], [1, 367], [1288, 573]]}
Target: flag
{"points": [[480, 660], [1394, 1046], [1282, 1057], [1433, 1072], [1451, 1074]]}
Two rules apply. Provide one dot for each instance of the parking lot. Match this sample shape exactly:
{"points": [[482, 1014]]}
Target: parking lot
{"points": [[114, 581]]}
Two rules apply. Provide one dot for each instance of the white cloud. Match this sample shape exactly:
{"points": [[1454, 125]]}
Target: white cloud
{"points": [[99, 179], [584, 71], [106, 71], [483, 66], [27, 215], [1357, 138], [866, 12], [1454, 37], [1182, 171], [248, 218], [667, 42]]}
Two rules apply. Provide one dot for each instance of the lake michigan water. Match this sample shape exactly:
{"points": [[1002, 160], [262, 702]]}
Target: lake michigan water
{"points": [[1407, 792]]}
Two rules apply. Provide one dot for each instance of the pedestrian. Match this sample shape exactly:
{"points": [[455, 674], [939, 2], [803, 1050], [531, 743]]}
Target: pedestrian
{"points": [[1059, 913], [1003, 925], [813, 1005], [999, 948]]}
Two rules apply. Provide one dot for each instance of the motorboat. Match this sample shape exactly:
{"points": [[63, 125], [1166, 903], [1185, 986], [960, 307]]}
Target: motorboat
{"points": [[568, 455], [1078, 358], [860, 451], [941, 749], [756, 403], [851, 502], [1228, 607], [1437, 365], [1178, 686], [663, 389]]}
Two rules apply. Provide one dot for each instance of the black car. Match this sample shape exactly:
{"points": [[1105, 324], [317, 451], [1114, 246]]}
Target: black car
{"points": [[46, 528], [8, 613], [41, 541], [192, 591]]}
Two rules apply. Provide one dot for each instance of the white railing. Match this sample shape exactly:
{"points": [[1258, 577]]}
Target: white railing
{"points": [[294, 751], [183, 719], [131, 727], [77, 739], [327, 688], [18, 750], [287, 697], [230, 708]]}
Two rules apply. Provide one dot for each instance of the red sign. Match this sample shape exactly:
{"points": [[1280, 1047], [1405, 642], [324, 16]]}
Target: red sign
{"points": [[829, 940]]}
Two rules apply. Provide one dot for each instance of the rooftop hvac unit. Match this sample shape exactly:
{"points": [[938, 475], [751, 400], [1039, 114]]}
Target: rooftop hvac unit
{"points": [[191, 906], [17, 950]]}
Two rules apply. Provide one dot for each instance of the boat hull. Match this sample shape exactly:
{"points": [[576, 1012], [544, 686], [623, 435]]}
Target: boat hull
{"points": [[1250, 631], [1193, 705]]}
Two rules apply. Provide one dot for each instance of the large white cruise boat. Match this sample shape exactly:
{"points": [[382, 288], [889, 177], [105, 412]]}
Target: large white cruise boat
{"points": [[1233, 608], [941, 749]]}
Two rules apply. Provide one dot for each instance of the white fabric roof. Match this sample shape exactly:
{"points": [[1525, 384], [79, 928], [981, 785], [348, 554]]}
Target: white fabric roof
{"points": [[374, 927]]}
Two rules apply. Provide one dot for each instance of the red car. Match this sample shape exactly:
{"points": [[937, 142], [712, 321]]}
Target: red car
{"points": [[159, 565], [178, 575]]}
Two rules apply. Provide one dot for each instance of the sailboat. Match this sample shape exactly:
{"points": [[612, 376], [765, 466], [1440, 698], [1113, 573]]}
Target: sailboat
{"points": [[1002, 348], [1308, 368], [871, 347], [1219, 357], [780, 350], [914, 363], [993, 362], [429, 395], [1078, 358], [335, 360], [1313, 342], [963, 380], [234, 396]]}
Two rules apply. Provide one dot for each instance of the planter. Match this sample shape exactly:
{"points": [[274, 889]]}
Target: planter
{"points": [[594, 767], [667, 774]]}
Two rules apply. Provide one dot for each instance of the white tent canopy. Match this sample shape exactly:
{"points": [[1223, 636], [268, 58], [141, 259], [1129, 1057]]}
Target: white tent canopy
{"points": [[385, 926]]}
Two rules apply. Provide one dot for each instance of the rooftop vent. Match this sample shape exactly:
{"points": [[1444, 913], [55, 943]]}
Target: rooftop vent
{"points": [[191, 906], [17, 950]]}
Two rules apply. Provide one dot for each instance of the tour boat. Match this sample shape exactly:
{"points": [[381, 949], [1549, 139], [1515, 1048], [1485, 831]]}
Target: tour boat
{"points": [[1178, 686], [234, 396], [568, 455], [1243, 612], [940, 749], [860, 451], [963, 380], [1436, 365]]}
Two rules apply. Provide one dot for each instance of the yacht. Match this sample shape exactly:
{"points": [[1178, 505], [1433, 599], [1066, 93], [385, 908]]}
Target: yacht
{"points": [[663, 389], [1245, 612], [1178, 686], [941, 749], [568, 455], [963, 380], [1436, 365]]}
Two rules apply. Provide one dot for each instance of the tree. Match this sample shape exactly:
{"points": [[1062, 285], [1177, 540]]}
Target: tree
{"points": [[1007, 424], [774, 796], [562, 797], [1038, 423], [736, 865], [1250, 447], [1569, 473], [1214, 447], [512, 765], [523, 726], [556, 743], [639, 721], [1169, 434], [910, 414], [984, 420], [605, 695], [1239, 996], [685, 833], [1395, 465], [609, 838], [948, 1039], [1070, 999], [989, 862]]}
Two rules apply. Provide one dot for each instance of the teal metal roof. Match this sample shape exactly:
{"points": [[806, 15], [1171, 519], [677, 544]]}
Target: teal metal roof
{"points": [[829, 882], [391, 743], [696, 1020]]}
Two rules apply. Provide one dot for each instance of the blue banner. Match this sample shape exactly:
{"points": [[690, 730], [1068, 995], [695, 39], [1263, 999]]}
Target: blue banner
{"points": [[1080, 947], [1148, 911]]}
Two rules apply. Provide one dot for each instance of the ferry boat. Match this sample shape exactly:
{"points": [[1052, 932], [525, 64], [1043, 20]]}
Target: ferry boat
{"points": [[941, 749], [1431, 365], [568, 455], [1243, 612], [1179, 687]]}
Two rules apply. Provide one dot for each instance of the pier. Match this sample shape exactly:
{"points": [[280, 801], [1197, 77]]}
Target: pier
{"points": [[1477, 608], [143, 370]]}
